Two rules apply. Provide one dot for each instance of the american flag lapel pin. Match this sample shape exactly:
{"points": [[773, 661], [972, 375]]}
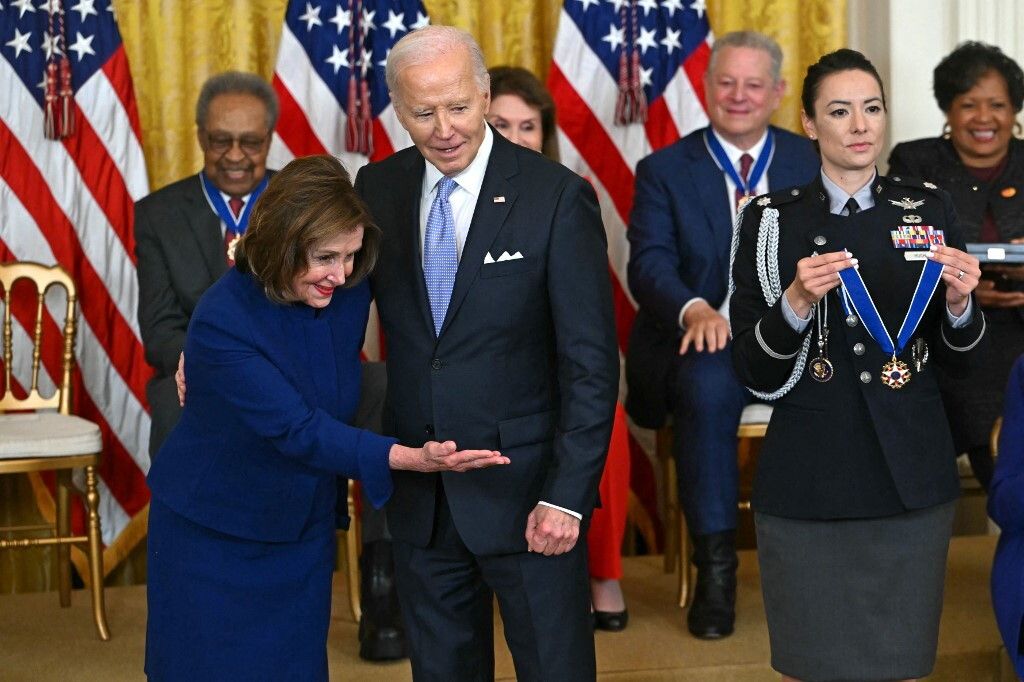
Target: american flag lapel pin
{"points": [[499, 200]]}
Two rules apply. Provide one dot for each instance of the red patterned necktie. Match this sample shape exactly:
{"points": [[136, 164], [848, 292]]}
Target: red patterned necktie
{"points": [[229, 234], [746, 161]]}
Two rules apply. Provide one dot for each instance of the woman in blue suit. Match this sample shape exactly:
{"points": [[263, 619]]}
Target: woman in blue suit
{"points": [[245, 490], [1006, 507]]}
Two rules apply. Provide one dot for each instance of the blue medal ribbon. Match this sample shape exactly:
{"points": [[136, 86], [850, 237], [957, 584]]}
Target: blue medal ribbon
{"points": [[220, 207], [856, 296], [758, 169]]}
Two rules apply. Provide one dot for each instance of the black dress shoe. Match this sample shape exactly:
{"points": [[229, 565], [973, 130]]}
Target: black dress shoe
{"points": [[612, 621], [713, 612], [381, 633]]}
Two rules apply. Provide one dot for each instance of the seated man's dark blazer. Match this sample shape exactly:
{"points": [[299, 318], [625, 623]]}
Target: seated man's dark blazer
{"points": [[680, 234], [179, 246], [526, 361]]}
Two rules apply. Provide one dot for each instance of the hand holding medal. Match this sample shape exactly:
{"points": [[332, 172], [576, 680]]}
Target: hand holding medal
{"points": [[960, 272], [816, 275]]}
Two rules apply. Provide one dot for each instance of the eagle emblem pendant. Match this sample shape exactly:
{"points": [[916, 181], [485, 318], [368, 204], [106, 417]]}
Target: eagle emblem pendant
{"points": [[821, 369]]}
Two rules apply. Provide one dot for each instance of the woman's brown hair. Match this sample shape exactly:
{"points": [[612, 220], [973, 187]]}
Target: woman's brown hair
{"points": [[515, 80], [308, 202]]}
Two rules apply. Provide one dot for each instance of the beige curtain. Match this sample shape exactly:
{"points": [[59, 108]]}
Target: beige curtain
{"points": [[174, 45]]}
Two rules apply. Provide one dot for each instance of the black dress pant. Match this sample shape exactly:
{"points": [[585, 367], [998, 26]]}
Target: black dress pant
{"points": [[447, 595]]}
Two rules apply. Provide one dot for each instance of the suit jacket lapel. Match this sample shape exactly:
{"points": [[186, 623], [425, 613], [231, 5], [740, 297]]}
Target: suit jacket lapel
{"points": [[205, 226], [488, 217], [709, 180], [408, 194]]}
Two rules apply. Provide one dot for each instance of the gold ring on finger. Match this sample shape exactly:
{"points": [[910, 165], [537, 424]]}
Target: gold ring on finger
{"points": [[960, 275]]}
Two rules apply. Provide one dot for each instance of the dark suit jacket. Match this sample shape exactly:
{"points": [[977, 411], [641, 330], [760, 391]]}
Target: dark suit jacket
{"points": [[526, 362], [1006, 507], [264, 432], [180, 252], [680, 234], [850, 448], [935, 159]]}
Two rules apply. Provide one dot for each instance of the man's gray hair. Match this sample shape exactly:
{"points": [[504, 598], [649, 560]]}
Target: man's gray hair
{"points": [[425, 44], [753, 40], [234, 83]]}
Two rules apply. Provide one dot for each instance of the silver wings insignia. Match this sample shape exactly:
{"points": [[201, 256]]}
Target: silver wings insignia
{"points": [[906, 203]]}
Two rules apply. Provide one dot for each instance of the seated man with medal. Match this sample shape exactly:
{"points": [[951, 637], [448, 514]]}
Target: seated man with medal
{"points": [[846, 293], [185, 233]]}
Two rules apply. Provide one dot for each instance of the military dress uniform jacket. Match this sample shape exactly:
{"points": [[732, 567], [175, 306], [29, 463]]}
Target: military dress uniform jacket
{"points": [[935, 160], [850, 447]]}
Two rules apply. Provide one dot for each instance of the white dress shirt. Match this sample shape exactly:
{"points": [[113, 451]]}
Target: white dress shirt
{"points": [[463, 197]]}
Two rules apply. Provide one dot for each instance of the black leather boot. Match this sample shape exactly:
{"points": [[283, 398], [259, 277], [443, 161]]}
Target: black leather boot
{"points": [[381, 633], [713, 612]]}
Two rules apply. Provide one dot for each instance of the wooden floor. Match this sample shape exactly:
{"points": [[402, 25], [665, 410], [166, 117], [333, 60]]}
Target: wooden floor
{"points": [[40, 642]]}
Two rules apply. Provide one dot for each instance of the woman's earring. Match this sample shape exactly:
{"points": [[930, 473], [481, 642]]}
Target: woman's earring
{"points": [[946, 131]]}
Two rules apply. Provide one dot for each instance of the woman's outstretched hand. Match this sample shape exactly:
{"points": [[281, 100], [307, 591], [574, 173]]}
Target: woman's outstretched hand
{"points": [[434, 456]]}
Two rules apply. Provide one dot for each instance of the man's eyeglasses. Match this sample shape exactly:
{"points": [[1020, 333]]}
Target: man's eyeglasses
{"points": [[249, 144]]}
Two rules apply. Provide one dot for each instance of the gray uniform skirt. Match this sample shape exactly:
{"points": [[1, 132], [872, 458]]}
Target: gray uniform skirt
{"points": [[856, 599]]}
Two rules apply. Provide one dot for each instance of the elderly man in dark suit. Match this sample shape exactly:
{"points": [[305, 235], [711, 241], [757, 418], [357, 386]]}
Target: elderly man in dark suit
{"points": [[494, 296], [680, 231], [183, 231]]}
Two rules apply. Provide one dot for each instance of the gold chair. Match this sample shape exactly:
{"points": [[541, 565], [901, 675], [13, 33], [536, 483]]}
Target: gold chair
{"points": [[753, 425], [43, 436]]}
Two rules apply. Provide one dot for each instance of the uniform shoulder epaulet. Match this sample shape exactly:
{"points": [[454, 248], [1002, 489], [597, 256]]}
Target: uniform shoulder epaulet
{"points": [[917, 183], [779, 197]]}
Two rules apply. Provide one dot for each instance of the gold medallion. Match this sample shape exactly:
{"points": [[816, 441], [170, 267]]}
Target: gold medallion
{"points": [[231, 247], [895, 374]]}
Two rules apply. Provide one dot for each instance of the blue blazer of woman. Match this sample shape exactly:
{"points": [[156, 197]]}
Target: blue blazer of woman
{"points": [[1006, 507], [264, 434]]}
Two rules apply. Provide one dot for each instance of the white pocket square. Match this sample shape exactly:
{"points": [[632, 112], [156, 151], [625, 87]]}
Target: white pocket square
{"points": [[505, 255]]}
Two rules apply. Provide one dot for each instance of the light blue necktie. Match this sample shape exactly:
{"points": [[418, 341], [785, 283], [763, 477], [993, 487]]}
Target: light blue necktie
{"points": [[440, 254]]}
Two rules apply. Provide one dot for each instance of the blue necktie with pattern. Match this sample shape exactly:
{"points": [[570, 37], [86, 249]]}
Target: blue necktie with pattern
{"points": [[440, 254]]}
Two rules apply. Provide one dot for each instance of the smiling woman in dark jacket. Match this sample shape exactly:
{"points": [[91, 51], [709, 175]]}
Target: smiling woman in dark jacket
{"points": [[244, 491], [981, 164]]}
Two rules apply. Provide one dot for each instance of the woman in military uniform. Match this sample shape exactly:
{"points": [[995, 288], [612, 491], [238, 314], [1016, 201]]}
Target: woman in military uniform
{"points": [[981, 164], [846, 294]]}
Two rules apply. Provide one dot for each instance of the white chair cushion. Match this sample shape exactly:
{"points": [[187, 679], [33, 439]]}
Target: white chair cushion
{"points": [[47, 434], [756, 413]]}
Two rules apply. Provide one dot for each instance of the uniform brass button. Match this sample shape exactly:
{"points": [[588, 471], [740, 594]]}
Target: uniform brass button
{"points": [[858, 348], [896, 179], [820, 241], [851, 320], [795, 192], [865, 377], [435, 363]]}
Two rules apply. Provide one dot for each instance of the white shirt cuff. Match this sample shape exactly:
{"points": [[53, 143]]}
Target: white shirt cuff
{"points": [[686, 306], [792, 319], [964, 319], [562, 509]]}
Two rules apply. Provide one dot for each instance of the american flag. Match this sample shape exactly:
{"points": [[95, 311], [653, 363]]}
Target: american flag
{"points": [[329, 65], [69, 201], [595, 47]]}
